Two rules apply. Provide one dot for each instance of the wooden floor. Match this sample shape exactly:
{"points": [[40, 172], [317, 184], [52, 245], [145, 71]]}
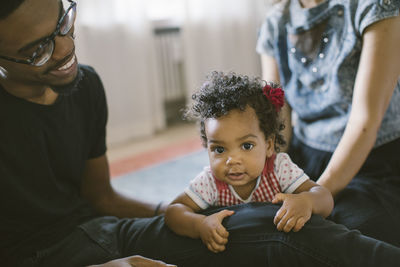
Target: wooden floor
{"points": [[173, 142]]}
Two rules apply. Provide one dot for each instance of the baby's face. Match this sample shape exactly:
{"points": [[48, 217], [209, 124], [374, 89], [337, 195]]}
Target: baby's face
{"points": [[237, 149]]}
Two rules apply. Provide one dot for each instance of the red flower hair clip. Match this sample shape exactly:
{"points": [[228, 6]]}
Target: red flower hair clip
{"points": [[275, 95]]}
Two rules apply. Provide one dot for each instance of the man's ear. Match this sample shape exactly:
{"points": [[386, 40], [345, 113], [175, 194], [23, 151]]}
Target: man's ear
{"points": [[270, 146]]}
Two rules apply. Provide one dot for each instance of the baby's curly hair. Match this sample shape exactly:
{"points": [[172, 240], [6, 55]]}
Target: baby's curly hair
{"points": [[221, 93]]}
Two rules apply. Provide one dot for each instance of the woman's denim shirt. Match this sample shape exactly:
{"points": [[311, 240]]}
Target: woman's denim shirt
{"points": [[318, 51]]}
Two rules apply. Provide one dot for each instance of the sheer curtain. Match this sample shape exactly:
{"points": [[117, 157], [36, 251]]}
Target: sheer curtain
{"points": [[116, 37], [221, 35]]}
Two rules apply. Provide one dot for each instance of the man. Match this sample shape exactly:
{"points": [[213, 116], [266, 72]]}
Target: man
{"points": [[58, 207], [44, 84]]}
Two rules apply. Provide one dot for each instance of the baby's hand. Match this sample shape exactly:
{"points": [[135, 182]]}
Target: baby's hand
{"points": [[212, 233], [296, 210]]}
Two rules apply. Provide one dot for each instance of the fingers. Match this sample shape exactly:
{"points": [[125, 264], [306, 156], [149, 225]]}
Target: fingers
{"points": [[214, 247], [300, 223], [221, 234], [278, 198], [286, 222], [224, 213], [216, 243], [288, 225], [135, 260], [279, 215], [293, 214], [216, 239], [156, 264], [219, 239]]}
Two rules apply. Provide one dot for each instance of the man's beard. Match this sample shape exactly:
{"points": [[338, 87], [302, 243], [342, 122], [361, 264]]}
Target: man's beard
{"points": [[71, 87]]}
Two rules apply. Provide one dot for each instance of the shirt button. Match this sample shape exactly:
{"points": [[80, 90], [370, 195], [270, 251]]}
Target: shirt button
{"points": [[326, 39], [321, 55], [340, 11], [293, 50], [303, 60], [314, 69]]}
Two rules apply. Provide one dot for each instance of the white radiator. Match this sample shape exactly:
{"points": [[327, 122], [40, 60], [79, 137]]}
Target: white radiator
{"points": [[169, 57], [170, 63]]}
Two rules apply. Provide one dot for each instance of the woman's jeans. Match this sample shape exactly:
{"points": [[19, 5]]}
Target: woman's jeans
{"points": [[253, 241], [371, 202]]}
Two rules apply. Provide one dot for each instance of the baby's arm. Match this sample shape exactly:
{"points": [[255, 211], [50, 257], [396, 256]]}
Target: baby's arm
{"points": [[309, 198], [182, 218]]}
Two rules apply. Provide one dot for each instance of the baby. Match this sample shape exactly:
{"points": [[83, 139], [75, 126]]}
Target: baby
{"points": [[240, 127]]}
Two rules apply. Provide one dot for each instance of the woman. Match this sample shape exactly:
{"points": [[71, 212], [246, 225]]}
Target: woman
{"points": [[339, 64]]}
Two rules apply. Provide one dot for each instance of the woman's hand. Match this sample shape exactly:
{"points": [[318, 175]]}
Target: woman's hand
{"points": [[212, 233], [137, 261], [296, 210]]}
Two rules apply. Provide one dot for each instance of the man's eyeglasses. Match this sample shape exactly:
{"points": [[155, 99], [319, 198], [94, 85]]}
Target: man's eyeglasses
{"points": [[46, 48]]}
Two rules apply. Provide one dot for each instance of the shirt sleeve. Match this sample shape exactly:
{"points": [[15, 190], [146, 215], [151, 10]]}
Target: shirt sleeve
{"points": [[289, 175], [269, 32], [265, 36], [99, 113], [203, 190], [371, 11]]}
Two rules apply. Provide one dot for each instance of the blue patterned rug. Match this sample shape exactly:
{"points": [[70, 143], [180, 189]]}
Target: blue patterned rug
{"points": [[164, 181]]}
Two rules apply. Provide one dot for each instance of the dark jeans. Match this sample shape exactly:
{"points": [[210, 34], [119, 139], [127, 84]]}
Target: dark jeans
{"points": [[253, 241], [371, 202]]}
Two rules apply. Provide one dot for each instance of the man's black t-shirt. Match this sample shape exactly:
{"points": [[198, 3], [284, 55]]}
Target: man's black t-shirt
{"points": [[43, 149]]}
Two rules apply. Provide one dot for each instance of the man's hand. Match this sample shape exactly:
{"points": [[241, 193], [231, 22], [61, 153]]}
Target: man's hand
{"points": [[296, 210], [137, 261], [212, 233]]}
